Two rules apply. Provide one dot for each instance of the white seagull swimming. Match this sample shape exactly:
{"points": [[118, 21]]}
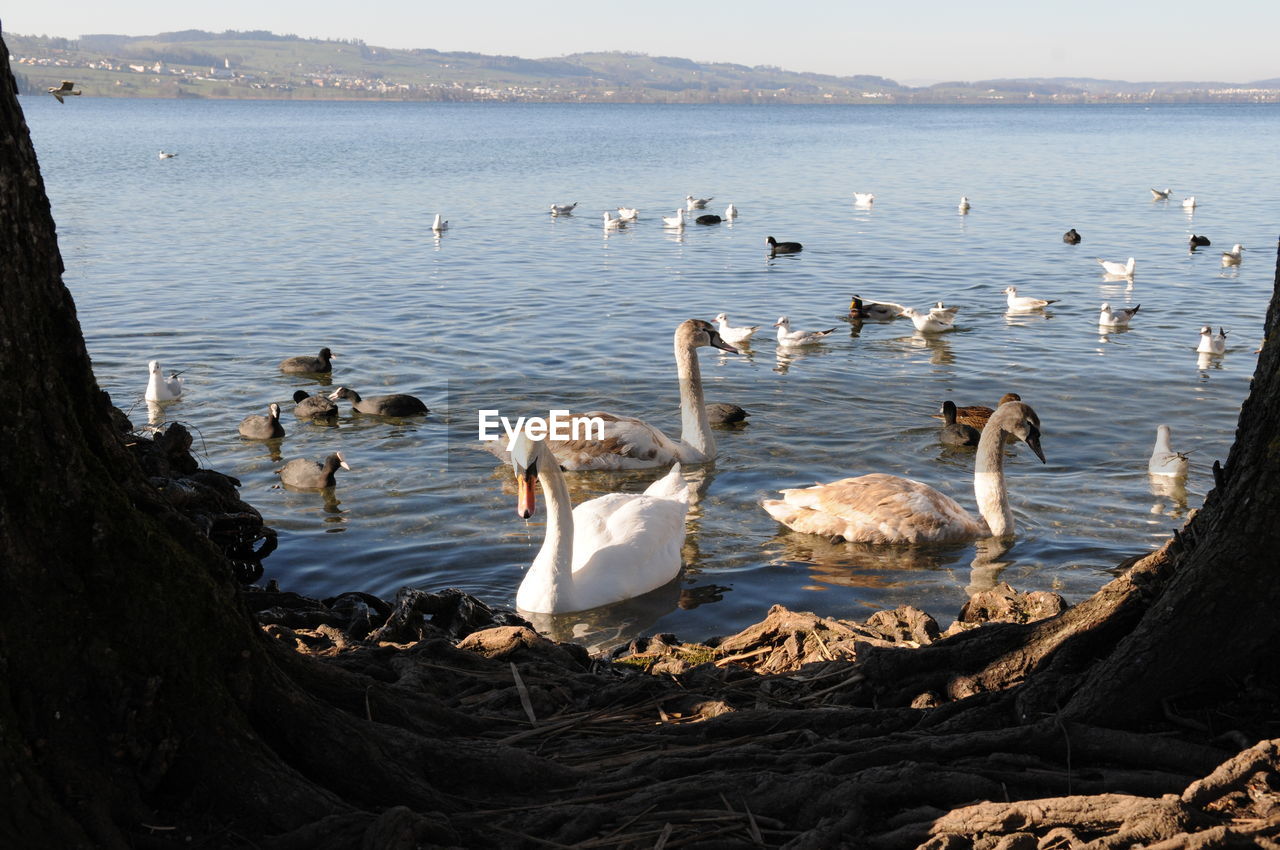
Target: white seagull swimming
{"points": [[628, 213], [697, 203], [731, 334], [563, 209], [1232, 257], [1164, 460], [163, 154], [1024, 303], [160, 388], [1157, 195], [1189, 203], [676, 220], [731, 212], [1210, 344], [788, 338], [439, 225], [934, 322], [1118, 269], [863, 199], [1108, 318], [964, 204]]}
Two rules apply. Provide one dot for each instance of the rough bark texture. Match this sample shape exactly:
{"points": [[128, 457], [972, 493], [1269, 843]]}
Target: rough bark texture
{"points": [[146, 701]]}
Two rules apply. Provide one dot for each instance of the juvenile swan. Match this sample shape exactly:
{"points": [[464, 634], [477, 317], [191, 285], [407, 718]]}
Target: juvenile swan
{"points": [[880, 508], [630, 443], [603, 551]]}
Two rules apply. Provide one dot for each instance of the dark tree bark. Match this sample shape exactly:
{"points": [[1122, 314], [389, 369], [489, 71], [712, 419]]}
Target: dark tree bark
{"points": [[141, 704]]}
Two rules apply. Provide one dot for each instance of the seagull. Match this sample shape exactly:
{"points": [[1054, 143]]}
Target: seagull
{"points": [[734, 335], [1199, 242], [439, 225], [676, 220], [1210, 344], [163, 154], [628, 214], [563, 209], [788, 338], [611, 223], [931, 322], [964, 204], [1164, 460], [1118, 319], [731, 212], [67, 88], [1157, 195], [1232, 257], [160, 388], [1189, 203], [1118, 269], [697, 203], [863, 199], [1024, 303]]}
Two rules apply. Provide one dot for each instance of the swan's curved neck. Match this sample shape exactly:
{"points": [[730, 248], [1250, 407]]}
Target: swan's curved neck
{"points": [[695, 429], [988, 481], [554, 564]]}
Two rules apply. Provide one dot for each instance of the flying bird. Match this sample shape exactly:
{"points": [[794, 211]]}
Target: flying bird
{"points": [[67, 88]]}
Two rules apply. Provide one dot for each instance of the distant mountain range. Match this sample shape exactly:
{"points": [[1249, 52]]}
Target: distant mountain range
{"points": [[259, 64]]}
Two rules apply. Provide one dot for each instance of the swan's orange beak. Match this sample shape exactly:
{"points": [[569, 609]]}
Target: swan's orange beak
{"points": [[524, 493]]}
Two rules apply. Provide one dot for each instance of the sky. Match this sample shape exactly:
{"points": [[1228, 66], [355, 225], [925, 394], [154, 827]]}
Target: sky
{"points": [[911, 41]]}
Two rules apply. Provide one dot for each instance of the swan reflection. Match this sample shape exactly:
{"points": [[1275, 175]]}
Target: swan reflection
{"points": [[602, 629]]}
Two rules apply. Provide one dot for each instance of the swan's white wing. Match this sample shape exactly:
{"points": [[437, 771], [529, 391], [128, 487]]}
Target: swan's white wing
{"points": [[875, 508], [625, 544]]}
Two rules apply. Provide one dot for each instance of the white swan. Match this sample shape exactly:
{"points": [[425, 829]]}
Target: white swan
{"points": [[1210, 344], [563, 209], [1109, 318], [933, 322], [1157, 195], [1025, 303], [697, 203], [605, 550], [1164, 460], [732, 334], [630, 443], [611, 223], [439, 225], [160, 388], [1189, 203], [879, 508], [1124, 269], [863, 199], [964, 204], [860, 309], [788, 338], [628, 213], [1232, 257], [731, 212], [676, 220]]}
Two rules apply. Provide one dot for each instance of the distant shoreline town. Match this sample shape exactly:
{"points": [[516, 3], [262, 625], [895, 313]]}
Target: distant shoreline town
{"points": [[262, 65]]}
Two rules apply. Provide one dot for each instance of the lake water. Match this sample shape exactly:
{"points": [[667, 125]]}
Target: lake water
{"points": [[280, 228]]}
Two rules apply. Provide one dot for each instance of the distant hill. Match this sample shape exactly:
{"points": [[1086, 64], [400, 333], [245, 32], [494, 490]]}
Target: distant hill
{"points": [[260, 64]]}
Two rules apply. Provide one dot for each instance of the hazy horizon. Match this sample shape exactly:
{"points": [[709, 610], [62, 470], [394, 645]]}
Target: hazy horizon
{"points": [[930, 41]]}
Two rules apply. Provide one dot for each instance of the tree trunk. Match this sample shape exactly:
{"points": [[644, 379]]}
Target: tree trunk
{"points": [[141, 705]]}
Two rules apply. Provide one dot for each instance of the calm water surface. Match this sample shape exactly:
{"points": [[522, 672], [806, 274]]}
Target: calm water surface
{"points": [[281, 228]]}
